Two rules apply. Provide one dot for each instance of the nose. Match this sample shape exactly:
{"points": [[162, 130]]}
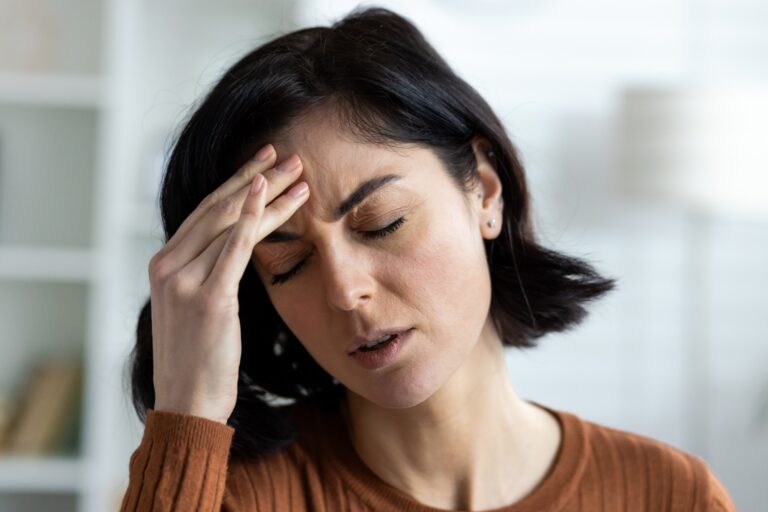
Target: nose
{"points": [[347, 278]]}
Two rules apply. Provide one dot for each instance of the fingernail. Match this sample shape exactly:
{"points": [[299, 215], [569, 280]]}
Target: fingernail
{"points": [[264, 153], [257, 184], [288, 164], [299, 190]]}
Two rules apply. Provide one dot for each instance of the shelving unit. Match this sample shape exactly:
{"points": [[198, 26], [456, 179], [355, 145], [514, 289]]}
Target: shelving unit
{"points": [[52, 115], [90, 94]]}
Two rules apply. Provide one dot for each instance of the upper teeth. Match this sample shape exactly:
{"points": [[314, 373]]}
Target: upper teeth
{"points": [[376, 342]]}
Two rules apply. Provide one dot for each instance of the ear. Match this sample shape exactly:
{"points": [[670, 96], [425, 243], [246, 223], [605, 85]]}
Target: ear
{"points": [[486, 195]]}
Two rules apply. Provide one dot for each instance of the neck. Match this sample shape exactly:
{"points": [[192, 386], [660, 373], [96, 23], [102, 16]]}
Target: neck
{"points": [[474, 444]]}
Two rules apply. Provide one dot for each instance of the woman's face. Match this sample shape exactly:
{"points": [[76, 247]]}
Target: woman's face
{"points": [[428, 272]]}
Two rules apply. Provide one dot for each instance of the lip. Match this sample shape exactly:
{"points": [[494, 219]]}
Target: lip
{"points": [[368, 337], [385, 355]]}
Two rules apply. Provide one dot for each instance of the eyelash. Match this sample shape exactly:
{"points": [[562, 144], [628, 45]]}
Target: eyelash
{"points": [[371, 235]]}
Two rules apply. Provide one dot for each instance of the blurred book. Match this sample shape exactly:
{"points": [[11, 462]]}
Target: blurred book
{"points": [[6, 413], [46, 416]]}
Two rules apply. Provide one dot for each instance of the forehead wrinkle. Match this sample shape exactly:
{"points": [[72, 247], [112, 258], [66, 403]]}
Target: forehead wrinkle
{"points": [[334, 163], [333, 210], [274, 251], [330, 185]]}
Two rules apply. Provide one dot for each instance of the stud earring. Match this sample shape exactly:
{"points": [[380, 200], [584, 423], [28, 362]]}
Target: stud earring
{"points": [[491, 223]]}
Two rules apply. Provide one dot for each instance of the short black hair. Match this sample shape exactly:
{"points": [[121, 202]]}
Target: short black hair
{"points": [[388, 85]]}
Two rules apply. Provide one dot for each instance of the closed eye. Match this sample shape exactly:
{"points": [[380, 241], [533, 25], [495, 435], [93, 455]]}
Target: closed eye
{"points": [[371, 235]]}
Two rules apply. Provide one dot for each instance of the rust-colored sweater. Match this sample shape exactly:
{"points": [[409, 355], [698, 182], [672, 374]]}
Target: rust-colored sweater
{"points": [[182, 464]]}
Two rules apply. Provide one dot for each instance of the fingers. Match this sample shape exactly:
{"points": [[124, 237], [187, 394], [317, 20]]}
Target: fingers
{"points": [[256, 221], [200, 268], [262, 161], [228, 210]]}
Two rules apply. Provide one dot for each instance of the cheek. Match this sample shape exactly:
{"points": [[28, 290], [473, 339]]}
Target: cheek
{"points": [[296, 311], [302, 316], [445, 270]]}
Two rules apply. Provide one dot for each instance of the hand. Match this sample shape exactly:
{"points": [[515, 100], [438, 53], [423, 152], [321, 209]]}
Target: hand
{"points": [[194, 281]]}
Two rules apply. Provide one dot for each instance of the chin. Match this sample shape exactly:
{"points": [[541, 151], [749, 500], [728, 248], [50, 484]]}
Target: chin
{"points": [[400, 390]]}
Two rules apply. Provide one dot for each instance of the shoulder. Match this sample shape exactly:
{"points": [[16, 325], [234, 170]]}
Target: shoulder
{"points": [[665, 477]]}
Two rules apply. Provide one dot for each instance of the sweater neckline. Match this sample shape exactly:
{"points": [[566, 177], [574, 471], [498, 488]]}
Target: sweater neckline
{"points": [[552, 493]]}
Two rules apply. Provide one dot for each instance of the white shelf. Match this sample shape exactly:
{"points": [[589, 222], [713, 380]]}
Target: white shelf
{"points": [[58, 90], [46, 264], [40, 474]]}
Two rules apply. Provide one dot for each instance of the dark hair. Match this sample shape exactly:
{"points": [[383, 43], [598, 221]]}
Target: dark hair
{"points": [[388, 85]]}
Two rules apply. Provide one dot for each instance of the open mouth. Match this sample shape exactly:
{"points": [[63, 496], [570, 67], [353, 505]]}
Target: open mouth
{"points": [[383, 353], [379, 345]]}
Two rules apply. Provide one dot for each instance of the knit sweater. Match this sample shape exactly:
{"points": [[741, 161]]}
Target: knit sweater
{"points": [[182, 463]]}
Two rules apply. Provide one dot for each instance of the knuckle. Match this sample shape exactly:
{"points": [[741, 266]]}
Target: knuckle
{"points": [[226, 207], [177, 285], [163, 278], [159, 269], [251, 215], [247, 168], [210, 200], [282, 208], [235, 243]]}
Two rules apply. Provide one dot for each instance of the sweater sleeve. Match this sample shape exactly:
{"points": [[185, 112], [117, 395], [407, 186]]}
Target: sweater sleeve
{"points": [[180, 464]]}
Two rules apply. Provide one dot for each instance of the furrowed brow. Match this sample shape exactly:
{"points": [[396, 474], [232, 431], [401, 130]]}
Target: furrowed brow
{"points": [[361, 192]]}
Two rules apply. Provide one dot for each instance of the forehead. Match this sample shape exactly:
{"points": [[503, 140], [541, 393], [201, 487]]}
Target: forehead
{"points": [[335, 161]]}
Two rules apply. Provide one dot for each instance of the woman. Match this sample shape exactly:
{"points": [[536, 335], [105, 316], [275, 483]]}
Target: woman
{"points": [[349, 230]]}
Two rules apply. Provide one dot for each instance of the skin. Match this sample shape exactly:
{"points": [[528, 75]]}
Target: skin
{"points": [[442, 423]]}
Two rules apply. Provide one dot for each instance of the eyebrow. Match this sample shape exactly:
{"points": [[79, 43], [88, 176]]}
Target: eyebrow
{"points": [[364, 190]]}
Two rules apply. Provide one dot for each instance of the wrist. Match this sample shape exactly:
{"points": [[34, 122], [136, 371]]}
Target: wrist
{"points": [[200, 412]]}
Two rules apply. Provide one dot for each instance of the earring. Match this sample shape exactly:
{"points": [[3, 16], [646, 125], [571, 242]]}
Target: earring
{"points": [[491, 223]]}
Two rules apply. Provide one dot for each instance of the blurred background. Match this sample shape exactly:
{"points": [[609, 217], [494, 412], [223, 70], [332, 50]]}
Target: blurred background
{"points": [[643, 129]]}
